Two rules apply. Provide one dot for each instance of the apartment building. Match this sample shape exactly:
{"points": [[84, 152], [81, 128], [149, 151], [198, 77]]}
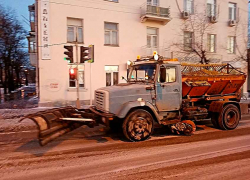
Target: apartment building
{"points": [[193, 31]]}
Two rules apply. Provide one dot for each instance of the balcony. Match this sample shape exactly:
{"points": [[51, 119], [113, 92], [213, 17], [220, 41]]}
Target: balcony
{"points": [[155, 13]]}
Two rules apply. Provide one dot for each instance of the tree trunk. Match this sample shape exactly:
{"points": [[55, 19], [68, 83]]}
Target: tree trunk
{"points": [[5, 79], [18, 82]]}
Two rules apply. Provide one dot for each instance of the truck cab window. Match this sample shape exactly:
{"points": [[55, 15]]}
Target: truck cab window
{"points": [[167, 74], [144, 72]]}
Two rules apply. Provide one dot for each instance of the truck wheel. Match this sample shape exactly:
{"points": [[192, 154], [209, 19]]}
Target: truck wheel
{"points": [[138, 125], [229, 117]]}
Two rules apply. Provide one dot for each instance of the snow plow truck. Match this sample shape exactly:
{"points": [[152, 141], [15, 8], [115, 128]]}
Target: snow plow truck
{"points": [[157, 91]]}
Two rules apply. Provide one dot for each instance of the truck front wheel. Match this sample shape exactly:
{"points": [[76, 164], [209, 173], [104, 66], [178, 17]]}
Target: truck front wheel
{"points": [[138, 125], [229, 117]]}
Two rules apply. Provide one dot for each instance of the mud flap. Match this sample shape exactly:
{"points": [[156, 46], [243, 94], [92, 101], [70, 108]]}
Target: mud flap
{"points": [[50, 124]]}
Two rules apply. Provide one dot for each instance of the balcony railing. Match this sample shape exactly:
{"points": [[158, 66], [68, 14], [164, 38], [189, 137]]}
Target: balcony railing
{"points": [[155, 13]]}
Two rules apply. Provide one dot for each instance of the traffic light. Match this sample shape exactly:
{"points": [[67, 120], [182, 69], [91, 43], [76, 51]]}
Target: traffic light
{"points": [[69, 53], [72, 77], [84, 51], [72, 73], [91, 53], [87, 54]]}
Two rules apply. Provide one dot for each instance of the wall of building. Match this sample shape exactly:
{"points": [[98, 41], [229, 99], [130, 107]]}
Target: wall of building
{"points": [[54, 73]]}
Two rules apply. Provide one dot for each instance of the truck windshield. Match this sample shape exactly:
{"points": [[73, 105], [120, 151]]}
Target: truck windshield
{"points": [[142, 73]]}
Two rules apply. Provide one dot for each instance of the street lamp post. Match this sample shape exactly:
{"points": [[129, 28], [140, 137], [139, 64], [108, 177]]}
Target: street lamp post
{"points": [[26, 77]]}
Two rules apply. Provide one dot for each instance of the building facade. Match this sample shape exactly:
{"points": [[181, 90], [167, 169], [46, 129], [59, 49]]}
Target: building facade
{"points": [[194, 31]]}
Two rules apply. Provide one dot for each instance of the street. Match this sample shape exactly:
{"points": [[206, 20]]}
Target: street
{"points": [[93, 154]]}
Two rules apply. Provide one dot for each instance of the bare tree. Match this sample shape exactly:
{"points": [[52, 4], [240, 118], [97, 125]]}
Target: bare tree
{"points": [[241, 41], [12, 54], [194, 30]]}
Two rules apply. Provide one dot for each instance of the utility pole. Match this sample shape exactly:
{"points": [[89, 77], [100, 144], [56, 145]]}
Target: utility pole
{"points": [[77, 75]]}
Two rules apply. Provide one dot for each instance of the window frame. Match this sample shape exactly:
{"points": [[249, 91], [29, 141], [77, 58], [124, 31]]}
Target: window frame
{"points": [[110, 34], [229, 45], [32, 16], [151, 3], [186, 6], [76, 34], [212, 11], [112, 74], [32, 45], [159, 75], [151, 38], [189, 48], [76, 24], [235, 11], [209, 46], [83, 79]]}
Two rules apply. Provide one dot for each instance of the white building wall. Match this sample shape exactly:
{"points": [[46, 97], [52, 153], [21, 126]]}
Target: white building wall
{"points": [[132, 37]]}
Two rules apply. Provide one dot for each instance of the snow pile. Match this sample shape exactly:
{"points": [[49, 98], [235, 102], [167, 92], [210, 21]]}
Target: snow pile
{"points": [[20, 104], [9, 120]]}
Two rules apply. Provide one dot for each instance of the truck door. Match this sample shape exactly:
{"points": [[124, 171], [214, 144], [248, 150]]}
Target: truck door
{"points": [[168, 86]]}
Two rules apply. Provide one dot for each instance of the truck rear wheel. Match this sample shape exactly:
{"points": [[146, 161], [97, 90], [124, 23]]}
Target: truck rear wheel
{"points": [[229, 117], [138, 125]]}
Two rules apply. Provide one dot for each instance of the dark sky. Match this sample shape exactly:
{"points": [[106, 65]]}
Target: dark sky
{"points": [[21, 8]]}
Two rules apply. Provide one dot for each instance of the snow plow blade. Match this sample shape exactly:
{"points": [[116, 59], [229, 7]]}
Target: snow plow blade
{"points": [[56, 122]]}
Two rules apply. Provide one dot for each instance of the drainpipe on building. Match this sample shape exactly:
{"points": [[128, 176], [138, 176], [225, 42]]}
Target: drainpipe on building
{"points": [[37, 51], [248, 71]]}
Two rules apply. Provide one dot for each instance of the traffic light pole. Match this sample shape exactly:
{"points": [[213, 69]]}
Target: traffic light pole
{"points": [[77, 78], [90, 86]]}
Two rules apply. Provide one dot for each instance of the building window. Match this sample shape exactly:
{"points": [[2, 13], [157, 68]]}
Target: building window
{"points": [[211, 8], [152, 37], [73, 76], [189, 6], [74, 30], [211, 43], [231, 45], [112, 75], [32, 16], [32, 45], [153, 2], [32, 13], [188, 40], [111, 34], [232, 11], [81, 78]]}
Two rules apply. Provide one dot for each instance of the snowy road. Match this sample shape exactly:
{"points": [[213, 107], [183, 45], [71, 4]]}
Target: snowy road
{"points": [[93, 154]]}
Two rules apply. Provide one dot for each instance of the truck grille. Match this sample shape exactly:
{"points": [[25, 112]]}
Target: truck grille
{"points": [[101, 100]]}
